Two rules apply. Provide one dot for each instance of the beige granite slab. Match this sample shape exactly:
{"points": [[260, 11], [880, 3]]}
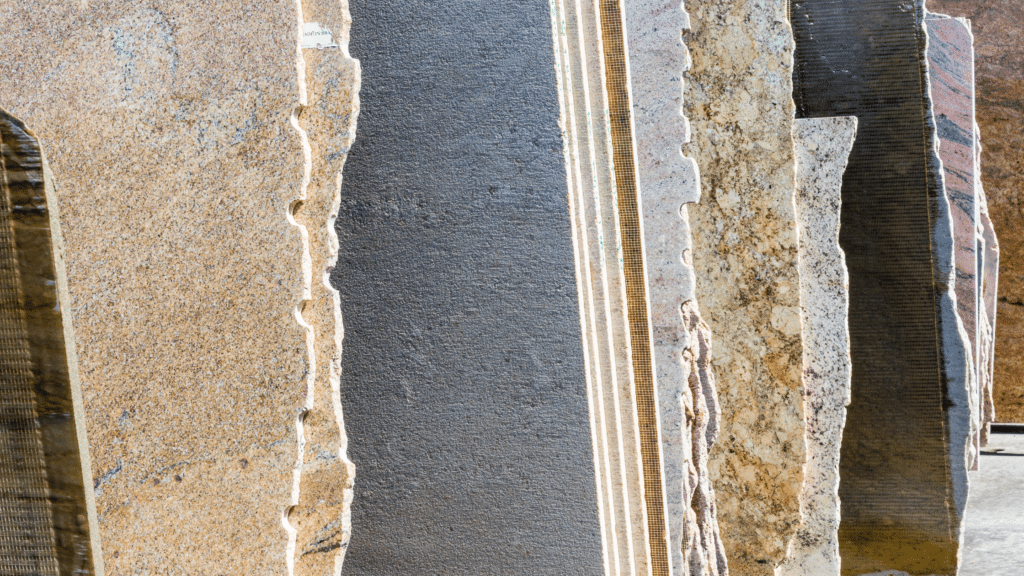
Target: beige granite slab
{"points": [[739, 102], [196, 157], [822, 148]]}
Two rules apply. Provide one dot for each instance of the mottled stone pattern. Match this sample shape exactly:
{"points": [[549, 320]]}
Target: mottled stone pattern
{"points": [[908, 348], [999, 78], [822, 147], [195, 154], [463, 373], [951, 82], [739, 102], [689, 413]]}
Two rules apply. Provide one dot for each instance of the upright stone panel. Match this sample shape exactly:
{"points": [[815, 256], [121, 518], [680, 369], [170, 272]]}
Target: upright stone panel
{"points": [[951, 82], [464, 375], [689, 413], [739, 102], [196, 154], [822, 146], [908, 422], [999, 72]]}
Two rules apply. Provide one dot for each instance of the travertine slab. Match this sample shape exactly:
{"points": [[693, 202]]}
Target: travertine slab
{"points": [[822, 146], [739, 102], [908, 423], [196, 156], [689, 413]]}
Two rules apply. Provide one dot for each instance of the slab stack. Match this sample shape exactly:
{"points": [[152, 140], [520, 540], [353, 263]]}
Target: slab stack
{"points": [[908, 424], [689, 413], [196, 155]]}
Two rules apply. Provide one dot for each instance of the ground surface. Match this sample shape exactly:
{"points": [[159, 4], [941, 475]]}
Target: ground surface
{"points": [[994, 541]]}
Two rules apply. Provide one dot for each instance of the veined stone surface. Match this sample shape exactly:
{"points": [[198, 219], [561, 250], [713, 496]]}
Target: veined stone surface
{"points": [[196, 156], [689, 413], [951, 81], [999, 77], [822, 148], [739, 102]]}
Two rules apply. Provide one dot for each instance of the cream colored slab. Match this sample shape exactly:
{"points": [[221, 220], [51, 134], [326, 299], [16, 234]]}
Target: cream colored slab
{"points": [[196, 156], [822, 146]]}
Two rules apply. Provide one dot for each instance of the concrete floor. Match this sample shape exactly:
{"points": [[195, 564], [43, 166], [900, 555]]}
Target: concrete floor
{"points": [[994, 532]]}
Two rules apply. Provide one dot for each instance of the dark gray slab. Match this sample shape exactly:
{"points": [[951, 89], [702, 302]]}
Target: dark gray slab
{"points": [[899, 487], [463, 378]]}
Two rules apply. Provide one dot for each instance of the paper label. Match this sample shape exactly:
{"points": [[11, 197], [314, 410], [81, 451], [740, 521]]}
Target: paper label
{"points": [[313, 36]]}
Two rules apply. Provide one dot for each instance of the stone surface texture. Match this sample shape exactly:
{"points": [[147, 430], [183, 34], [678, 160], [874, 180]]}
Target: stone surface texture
{"points": [[989, 271], [463, 381], [196, 157], [822, 148], [689, 414], [951, 80], [999, 78], [909, 350], [739, 102]]}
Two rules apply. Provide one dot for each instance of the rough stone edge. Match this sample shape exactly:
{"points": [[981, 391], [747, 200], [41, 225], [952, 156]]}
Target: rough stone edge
{"points": [[689, 412], [990, 245], [336, 328], [955, 355], [70, 346], [814, 548]]}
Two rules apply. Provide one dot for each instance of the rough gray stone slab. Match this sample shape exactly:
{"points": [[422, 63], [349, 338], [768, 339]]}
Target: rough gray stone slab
{"points": [[463, 374], [822, 146]]}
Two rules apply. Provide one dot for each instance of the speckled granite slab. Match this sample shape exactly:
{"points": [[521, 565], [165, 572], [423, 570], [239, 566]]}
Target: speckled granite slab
{"points": [[196, 155], [908, 423], [739, 103], [822, 147]]}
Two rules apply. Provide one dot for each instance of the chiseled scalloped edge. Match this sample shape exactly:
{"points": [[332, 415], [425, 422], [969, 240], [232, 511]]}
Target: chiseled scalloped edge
{"points": [[688, 400], [318, 515]]}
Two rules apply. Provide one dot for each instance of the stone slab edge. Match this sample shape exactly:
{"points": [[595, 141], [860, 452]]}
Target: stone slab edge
{"points": [[955, 353], [822, 146], [687, 399]]}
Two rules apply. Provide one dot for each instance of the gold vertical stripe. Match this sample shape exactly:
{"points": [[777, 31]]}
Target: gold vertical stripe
{"points": [[633, 263]]}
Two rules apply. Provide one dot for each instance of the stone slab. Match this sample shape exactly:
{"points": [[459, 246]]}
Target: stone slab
{"points": [[909, 413], [463, 382], [822, 146], [951, 82], [739, 102], [999, 74], [196, 155], [689, 413]]}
